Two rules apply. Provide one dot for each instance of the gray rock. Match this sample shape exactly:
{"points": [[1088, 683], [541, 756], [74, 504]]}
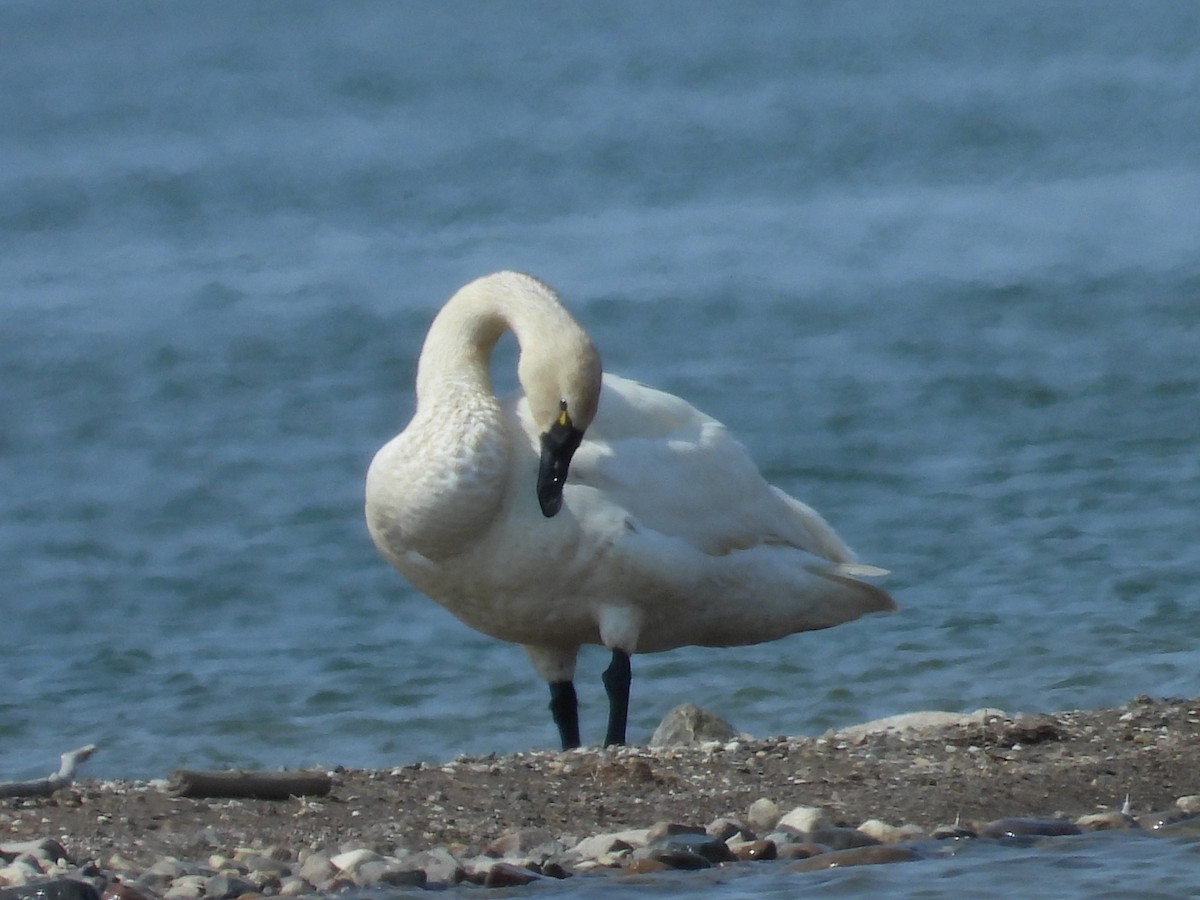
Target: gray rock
{"points": [[21, 871], [440, 867], [803, 819], [186, 887], [687, 850], [392, 872], [226, 887], [919, 722], [46, 849], [727, 828], [688, 725], [293, 886], [763, 814], [317, 870]]}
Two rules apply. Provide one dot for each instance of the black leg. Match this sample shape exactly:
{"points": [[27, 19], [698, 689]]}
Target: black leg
{"points": [[565, 710], [616, 682]]}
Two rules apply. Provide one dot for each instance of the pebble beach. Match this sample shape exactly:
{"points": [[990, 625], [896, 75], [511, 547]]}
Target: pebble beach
{"points": [[910, 788]]}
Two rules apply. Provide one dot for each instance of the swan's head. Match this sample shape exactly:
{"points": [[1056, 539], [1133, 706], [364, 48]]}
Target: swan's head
{"points": [[559, 443], [563, 391]]}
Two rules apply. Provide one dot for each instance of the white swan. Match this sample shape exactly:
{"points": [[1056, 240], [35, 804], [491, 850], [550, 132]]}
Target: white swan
{"points": [[665, 535]]}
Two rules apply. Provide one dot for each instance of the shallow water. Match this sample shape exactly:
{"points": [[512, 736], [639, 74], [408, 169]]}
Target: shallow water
{"points": [[937, 267]]}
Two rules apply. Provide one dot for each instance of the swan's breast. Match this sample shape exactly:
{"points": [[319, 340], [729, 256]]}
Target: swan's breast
{"points": [[438, 484]]}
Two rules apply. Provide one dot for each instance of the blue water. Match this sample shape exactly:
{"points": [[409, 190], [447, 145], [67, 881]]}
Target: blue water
{"points": [[936, 263]]}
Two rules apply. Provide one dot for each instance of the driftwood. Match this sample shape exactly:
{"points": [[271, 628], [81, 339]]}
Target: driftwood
{"points": [[250, 785], [43, 787]]}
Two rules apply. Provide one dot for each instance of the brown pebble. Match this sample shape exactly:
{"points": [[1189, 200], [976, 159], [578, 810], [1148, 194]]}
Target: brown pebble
{"points": [[645, 866], [508, 875], [840, 838], [1021, 826], [856, 856], [799, 851], [1106, 821]]}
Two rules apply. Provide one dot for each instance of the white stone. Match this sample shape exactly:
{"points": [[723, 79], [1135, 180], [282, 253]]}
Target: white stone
{"points": [[804, 818], [1189, 804], [763, 814], [919, 721], [890, 834], [19, 872], [599, 845], [186, 887], [293, 886], [350, 861]]}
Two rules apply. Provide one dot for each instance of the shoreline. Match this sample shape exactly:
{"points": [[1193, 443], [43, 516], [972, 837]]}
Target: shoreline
{"points": [[530, 811]]}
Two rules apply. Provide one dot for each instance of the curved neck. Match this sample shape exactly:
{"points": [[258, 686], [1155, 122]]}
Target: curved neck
{"points": [[555, 350]]}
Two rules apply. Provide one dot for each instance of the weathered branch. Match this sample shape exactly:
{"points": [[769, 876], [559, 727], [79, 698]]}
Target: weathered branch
{"points": [[43, 787], [250, 785]]}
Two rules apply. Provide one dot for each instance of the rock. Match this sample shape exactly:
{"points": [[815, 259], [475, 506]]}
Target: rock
{"points": [[1156, 820], [799, 850], [660, 830], [318, 870], [226, 887], [890, 834], [47, 850], [507, 875], [520, 841], [119, 890], [349, 862], [21, 871], [918, 722], [687, 850], [121, 863], [293, 886], [1189, 804], [726, 828], [186, 887], [763, 814], [58, 889], [168, 867], [803, 819], [645, 866], [1020, 826], [1107, 821], [748, 850], [856, 856], [838, 838], [600, 845], [689, 725], [441, 867], [399, 875], [952, 832]]}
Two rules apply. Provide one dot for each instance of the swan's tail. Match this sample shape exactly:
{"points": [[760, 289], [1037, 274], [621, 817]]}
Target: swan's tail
{"points": [[870, 598]]}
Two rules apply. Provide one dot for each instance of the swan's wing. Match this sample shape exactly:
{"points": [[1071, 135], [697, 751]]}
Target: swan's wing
{"points": [[673, 469]]}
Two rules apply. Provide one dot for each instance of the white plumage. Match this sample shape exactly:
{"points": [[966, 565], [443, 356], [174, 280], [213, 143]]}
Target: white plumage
{"points": [[663, 533]]}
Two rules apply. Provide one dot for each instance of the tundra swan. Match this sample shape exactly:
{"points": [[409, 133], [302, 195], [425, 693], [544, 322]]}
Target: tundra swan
{"points": [[665, 534]]}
